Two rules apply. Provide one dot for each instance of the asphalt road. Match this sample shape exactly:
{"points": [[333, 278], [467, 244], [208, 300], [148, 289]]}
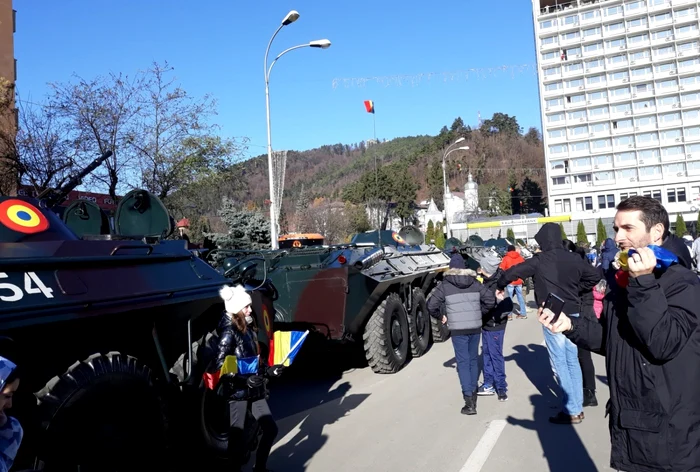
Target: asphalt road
{"points": [[335, 414]]}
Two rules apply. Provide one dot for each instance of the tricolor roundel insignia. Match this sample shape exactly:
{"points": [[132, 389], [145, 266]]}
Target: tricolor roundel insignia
{"points": [[266, 320], [22, 217], [397, 238]]}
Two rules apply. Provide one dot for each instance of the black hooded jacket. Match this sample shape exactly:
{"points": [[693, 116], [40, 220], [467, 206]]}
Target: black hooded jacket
{"points": [[649, 335], [555, 270]]}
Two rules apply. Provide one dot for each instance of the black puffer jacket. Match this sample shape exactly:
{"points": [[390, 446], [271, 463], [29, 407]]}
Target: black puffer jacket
{"points": [[496, 319], [233, 342], [649, 335], [555, 270]]}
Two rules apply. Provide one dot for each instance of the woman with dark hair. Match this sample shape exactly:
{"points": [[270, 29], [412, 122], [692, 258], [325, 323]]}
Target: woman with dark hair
{"points": [[584, 356], [11, 432]]}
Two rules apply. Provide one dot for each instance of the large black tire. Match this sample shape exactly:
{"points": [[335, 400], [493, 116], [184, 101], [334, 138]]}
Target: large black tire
{"points": [[440, 332], [104, 414], [386, 338], [419, 326]]}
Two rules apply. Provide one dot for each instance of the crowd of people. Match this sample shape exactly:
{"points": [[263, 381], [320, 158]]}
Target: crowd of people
{"points": [[636, 303]]}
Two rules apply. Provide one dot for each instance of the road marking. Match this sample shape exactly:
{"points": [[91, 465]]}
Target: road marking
{"points": [[481, 452]]}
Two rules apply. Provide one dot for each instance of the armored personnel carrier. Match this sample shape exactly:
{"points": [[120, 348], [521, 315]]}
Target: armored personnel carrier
{"points": [[105, 320], [372, 290]]}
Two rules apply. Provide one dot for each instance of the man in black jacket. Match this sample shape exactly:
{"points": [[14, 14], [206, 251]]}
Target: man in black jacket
{"points": [[465, 300], [556, 270], [649, 335]]}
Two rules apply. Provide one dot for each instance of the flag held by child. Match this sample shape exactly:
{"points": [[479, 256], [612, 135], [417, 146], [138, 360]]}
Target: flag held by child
{"points": [[232, 365], [286, 346]]}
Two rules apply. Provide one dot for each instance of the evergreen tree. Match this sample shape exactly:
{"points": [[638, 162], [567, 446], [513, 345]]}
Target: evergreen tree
{"points": [[602, 233], [681, 229], [247, 229], [563, 233], [581, 237], [510, 235], [430, 233], [439, 236], [301, 211]]}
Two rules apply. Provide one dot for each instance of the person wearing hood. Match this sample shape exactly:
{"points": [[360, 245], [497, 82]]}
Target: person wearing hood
{"points": [[465, 301], [565, 274], [494, 330], [607, 253], [650, 337], [238, 337], [512, 258]]}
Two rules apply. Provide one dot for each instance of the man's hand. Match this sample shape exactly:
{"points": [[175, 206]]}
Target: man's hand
{"points": [[641, 263], [562, 324], [444, 319], [500, 295]]}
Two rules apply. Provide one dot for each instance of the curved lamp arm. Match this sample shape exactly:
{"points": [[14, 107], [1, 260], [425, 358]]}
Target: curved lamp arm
{"points": [[267, 76]]}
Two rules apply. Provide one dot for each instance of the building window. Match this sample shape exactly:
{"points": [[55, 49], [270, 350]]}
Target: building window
{"points": [[579, 204], [601, 202], [625, 196], [558, 206], [589, 203], [567, 205], [655, 194]]}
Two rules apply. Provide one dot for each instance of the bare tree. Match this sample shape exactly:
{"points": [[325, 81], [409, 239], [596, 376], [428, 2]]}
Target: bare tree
{"points": [[102, 112], [9, 169], [175, 145]]}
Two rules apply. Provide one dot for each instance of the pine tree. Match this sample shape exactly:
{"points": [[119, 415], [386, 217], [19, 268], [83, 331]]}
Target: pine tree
{"points": [[430, 233], [563, 233], [602, 233], [510, 235], [681, 229], [581, 237], [247, 229]]}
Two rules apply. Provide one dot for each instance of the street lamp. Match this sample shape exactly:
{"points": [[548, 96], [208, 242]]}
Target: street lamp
{"points": [[291, 17], [444, 178]]}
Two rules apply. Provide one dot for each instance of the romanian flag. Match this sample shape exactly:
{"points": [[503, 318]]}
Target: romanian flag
{"points": [[369, 106], [232, 365], [286, 346]]}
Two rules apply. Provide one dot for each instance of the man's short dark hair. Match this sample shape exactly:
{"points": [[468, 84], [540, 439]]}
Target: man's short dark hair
{"points": [[653, 212], [510, 248]]}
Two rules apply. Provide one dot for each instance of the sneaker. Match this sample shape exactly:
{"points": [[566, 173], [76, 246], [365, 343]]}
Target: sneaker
{"points": [[563, 418], [521, 317], [486, 390], [589, 398], [502, 396]]}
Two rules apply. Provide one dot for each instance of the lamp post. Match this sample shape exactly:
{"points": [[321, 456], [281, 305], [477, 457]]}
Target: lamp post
{"points": [[444, 178], [291, 17]]}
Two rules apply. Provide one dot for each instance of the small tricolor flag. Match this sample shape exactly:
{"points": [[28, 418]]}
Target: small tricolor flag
{"points": [[286, 346], [232, 365], [369, 106]]}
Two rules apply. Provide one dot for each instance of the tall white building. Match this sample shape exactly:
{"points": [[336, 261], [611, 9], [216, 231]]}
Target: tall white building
{"points": [[619, 87]]}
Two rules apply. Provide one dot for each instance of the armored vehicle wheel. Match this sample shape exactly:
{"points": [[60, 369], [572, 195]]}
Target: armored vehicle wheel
{"points": [[441, 332], [386, 336], [419, 326], [103, 414]]}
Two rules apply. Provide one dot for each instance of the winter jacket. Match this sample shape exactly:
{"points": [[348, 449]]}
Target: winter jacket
{"points": [[598, 302], [649, 335], [555, 270], [607, 254], [496, 319], [509, 260], [233, 342], [465, 299]]}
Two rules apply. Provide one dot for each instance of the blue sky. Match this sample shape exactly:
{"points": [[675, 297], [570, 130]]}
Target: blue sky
{"points": [[218, 46]]}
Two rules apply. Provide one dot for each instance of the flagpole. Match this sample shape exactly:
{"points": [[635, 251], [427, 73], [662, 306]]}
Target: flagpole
{"points": [[374, 120], [301, 340]]}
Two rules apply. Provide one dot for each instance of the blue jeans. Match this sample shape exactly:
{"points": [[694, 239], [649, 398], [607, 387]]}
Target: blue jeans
{"points": [[563, 358], [518, 289], [494, 364], [466, 348]]}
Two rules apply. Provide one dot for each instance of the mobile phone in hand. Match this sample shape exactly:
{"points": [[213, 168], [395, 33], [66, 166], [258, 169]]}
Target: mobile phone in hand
{"points": [[555, 305]]}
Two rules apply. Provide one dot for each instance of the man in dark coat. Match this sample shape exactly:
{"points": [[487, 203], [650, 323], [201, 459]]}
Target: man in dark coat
{"points": [[465, 301], [565, 274], [649, 335]]}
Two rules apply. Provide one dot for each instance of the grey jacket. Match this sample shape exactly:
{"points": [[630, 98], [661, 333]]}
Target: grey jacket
{"points": [[465, 300]]}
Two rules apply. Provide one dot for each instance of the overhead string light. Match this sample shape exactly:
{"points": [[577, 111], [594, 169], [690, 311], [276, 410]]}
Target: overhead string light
{"points": [[415, 79]]}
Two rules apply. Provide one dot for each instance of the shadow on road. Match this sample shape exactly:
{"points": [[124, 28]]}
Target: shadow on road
{"points": [[533, 360], [309, 389], [561, 444]]}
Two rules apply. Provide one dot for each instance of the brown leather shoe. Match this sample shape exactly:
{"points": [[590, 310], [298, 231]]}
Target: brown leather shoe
{"points": [[563, 418]]}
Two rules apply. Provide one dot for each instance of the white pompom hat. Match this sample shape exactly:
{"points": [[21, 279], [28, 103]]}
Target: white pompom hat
{"points": [[235, 298]]}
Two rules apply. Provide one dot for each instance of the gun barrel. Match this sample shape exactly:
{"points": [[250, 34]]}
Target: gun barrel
{"points": [[50, 197]]}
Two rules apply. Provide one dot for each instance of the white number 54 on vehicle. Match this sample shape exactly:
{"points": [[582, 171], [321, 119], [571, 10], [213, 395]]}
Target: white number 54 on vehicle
{"points": [[32, 285]]}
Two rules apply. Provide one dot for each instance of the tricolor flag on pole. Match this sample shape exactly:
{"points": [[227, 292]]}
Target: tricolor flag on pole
{"points": [[369, 106], [286, 346]]}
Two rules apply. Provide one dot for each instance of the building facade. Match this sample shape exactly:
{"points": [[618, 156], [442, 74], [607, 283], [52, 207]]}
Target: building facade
{"points": [[8, 116], [619, 88]]}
